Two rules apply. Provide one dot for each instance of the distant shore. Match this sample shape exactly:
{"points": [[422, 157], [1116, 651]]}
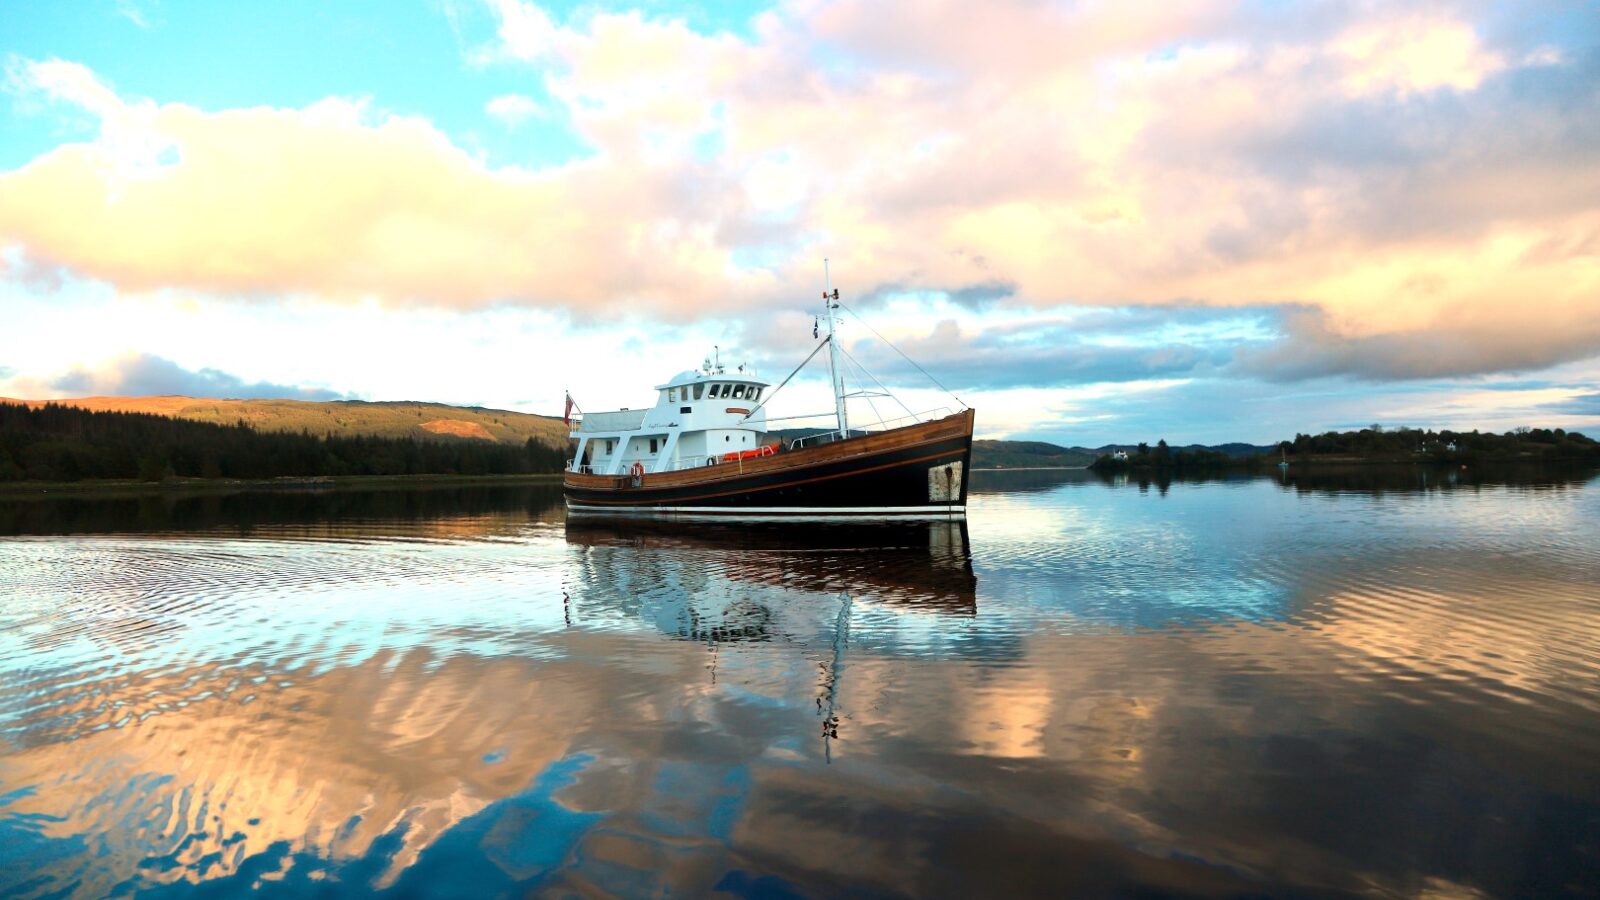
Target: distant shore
{"points": [[34, 489], [1029, 468]]}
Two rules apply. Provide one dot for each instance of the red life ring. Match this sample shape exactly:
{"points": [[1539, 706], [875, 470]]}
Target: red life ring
{"points": [[638, 468]]}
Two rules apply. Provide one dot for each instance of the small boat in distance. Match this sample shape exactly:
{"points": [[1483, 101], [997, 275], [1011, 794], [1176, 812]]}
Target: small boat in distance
{"points": [[702, 451]]}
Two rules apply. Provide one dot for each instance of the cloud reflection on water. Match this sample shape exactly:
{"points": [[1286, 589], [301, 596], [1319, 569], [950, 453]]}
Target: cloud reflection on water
{"points": [[1225, 688]]}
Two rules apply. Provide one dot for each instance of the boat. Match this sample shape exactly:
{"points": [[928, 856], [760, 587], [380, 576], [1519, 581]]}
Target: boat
{"points": [[703, 451]]}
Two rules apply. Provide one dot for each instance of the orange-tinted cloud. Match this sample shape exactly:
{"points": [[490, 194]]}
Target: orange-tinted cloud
{"points": [[1412, 179]]}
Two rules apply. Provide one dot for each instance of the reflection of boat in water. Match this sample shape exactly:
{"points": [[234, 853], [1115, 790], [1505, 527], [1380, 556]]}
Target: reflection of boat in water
{"points": [[703, 451], [768, 584], [916, 566]]}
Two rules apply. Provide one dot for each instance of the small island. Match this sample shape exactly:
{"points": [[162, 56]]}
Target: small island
{"points": [[1371, 445]]}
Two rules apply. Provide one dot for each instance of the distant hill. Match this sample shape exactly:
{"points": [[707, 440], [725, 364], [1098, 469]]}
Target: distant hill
{"points": [[50, 443], [427, 421], [1027, 455], [1236, 449]]}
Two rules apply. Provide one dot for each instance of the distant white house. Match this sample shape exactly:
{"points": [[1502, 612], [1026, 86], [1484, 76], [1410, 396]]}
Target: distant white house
{"points": [[1120, 455]]}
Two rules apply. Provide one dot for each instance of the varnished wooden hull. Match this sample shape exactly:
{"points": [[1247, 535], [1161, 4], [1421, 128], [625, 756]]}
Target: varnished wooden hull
{"points": [[916, 472]]}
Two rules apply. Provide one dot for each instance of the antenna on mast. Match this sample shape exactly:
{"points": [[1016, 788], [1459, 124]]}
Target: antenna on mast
{"points": [[830, 302]]}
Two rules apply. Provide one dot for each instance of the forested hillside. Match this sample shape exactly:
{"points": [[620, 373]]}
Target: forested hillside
{"points": [[61, 443], [1026, 455], [424, 421]]}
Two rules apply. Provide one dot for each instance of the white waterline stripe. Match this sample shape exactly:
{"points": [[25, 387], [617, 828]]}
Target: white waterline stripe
{"points": [[778, 513], [939, 510]]}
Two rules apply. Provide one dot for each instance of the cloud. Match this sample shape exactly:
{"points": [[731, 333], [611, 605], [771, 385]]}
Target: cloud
{"points": [[1578, 405], [1418, 176], [142, 374], [340, 202], [513, 109], [1041, 354], [1311, 347]]}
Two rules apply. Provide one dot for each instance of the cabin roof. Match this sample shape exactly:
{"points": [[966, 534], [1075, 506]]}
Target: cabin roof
{"points": [[696, 377]]}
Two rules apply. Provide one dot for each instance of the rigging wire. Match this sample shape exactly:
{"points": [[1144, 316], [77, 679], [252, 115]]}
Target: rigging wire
{"points": [[796, 371], [903, 356], [866, 395], [880, 384]]}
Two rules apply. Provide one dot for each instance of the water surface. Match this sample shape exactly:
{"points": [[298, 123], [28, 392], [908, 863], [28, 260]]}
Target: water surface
{"points": [[1359, 683]]}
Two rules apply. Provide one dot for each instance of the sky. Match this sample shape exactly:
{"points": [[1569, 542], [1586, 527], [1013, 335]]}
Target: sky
{"points": [[1092, 221]]}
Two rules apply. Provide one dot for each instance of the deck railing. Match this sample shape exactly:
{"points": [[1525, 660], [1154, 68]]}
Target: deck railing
{"points": [[828, 437], [812, 440]]}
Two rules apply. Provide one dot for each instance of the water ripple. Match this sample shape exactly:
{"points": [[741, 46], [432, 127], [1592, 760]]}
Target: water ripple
{"points": [[1242, 687]]}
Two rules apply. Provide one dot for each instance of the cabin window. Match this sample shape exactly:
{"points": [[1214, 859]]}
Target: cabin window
{"points": [[672, 395], [608, 448], [738, 392], [755, 393], [716, 391], [652, 445], [699, 391], [685, 409]]}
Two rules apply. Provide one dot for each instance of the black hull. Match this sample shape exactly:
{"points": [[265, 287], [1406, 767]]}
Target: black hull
{"points": [[886, 484]]}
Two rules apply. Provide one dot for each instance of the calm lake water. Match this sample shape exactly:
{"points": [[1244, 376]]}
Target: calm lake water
{"points": [[1371, 683]]}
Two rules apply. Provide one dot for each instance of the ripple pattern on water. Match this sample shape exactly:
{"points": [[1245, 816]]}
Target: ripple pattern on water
{"points": [[1244, 687]]}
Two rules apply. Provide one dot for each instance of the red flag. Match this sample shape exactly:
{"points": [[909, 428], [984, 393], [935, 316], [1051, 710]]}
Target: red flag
{"points": [[566, 414]]}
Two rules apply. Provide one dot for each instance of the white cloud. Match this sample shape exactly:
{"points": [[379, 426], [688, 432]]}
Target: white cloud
{"points": [[1095, 154], [514, 109]]}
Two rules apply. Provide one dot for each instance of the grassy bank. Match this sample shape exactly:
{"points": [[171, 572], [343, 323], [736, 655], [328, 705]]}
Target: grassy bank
{"points": [[119, 488]]}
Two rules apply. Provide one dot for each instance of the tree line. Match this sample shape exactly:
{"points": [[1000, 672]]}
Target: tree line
{"points": [[1378, 442], [1164, 458], [1371, 444], [64, 443]]}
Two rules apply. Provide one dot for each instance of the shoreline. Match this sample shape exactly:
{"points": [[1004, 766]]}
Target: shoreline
{"points": [[1030, 469], [1265, 466], [30, 490]]}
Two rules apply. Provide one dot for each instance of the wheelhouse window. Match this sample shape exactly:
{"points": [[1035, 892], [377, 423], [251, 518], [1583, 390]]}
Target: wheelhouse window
{"points": [[738, 392], [699, 391]]}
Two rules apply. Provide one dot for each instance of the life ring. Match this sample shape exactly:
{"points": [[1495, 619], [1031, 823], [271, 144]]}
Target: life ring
{"points": [[638, 469]]}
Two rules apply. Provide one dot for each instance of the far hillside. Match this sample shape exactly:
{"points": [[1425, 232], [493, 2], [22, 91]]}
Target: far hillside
{"points": [[335, 418], [1027, 455]]}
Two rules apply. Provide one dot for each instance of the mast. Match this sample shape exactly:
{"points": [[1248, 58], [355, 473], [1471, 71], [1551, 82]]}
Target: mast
{"points": [[830, 303]]}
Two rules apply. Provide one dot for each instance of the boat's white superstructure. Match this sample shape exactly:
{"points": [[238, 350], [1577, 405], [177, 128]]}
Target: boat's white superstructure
{"points": [[703, 451], [699, 417]]}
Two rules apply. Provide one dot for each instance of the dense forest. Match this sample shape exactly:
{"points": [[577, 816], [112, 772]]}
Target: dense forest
{"points": [[1164, 458], [1374, 444], [1377, 442], [62, 443]]}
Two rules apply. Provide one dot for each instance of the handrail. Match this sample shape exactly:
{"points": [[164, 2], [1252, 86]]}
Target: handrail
{"points": [[916, 418], [682, 463]]}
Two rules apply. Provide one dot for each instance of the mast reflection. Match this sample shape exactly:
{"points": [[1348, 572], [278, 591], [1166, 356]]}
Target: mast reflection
{"points": [[920, 567]]}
